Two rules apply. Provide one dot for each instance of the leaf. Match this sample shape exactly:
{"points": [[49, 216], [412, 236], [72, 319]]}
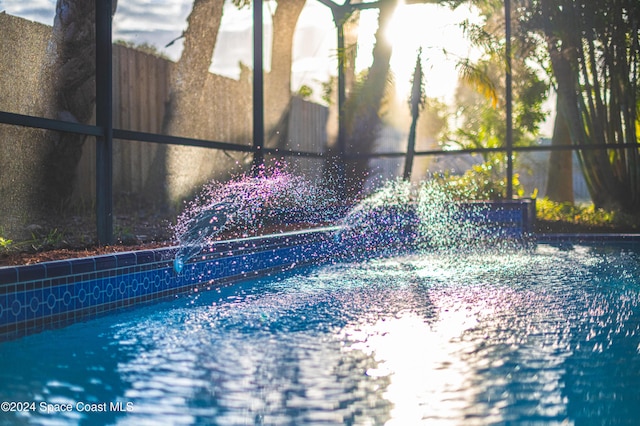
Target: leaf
{"points": [[479, 79]]}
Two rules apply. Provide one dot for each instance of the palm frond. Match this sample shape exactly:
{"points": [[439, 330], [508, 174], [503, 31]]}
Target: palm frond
{"points": [[479, 79]]}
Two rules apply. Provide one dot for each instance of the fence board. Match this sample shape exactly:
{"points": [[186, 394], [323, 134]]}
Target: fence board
{"points": [[141, 87]]}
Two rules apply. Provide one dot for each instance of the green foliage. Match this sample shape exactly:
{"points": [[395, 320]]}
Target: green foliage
{"points": [[305, 92], [480, 103], [477, 76], [482, 115], [584, 215], [484, 181], [47, 240], [240, 4], [528, 111], [5, 244], [328, 88], [588, 50], [40, 240], [125, 235]]}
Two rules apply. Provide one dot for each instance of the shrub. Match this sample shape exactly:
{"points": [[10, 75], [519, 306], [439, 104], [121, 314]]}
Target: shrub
{"points": [[584, 215], [484, 181]]}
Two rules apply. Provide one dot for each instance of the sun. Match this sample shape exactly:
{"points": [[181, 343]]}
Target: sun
{"points": [[407, 30], [405, 34], [433, 28]]}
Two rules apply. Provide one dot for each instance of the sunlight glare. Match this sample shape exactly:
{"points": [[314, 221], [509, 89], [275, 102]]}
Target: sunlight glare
{"points": [[417, 358], [436, 30]]}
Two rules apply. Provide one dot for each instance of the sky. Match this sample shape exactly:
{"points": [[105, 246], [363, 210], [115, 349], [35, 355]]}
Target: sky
{"points": [[434, 28]]}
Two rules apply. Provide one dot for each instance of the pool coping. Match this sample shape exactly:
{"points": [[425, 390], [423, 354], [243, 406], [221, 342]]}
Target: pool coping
{"points": [[587, 238]]}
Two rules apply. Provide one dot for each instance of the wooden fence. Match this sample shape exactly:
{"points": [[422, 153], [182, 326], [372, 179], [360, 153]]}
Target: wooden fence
{"points": [[141, 90], [141, 87]]}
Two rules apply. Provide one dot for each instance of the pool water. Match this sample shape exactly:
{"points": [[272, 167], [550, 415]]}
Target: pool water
{"points": [[547, 335]]}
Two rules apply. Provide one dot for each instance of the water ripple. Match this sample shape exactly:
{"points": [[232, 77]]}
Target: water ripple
{"points": [[550, 335]]}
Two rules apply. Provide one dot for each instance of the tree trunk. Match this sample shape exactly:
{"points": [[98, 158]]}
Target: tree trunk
{"points": [[183, 111], [71, 78], [362, 113], [193, 67], [590, 60], [416, 103], [278, 89], [560, 173], [594, 162]]}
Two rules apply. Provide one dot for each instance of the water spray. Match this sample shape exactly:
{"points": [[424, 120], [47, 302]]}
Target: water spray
{"points": [[242, 203]]}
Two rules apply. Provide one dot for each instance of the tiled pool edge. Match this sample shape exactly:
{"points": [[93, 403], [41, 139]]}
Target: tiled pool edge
{"points": [[54, 294], [578, 238]]}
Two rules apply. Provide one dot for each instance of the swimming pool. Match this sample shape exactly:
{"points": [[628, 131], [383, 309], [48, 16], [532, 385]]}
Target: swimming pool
{"points": [[543, 335]]}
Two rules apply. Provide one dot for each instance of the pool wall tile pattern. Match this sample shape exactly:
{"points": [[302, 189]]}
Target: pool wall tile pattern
{"points": [[54, 294], [632, 240]]}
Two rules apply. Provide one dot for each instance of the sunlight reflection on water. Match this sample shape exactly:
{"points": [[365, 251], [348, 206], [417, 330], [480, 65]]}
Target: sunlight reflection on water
{"points": [[417, 359], [548, 335]]}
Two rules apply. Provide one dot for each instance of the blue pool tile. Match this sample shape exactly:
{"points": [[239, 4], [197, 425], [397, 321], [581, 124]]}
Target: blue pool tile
{"points": [[32, 272], [105, 263], [4, 310], [83, 266], [142, 291], [121, 288], [49, 298], [74, 289], [8, 275], [18, 308], [57, 307], [126, 259], [109, 290], [34, 307], [80, 296], [156, 281], [160, 255], [67, 298], [146, 256], [97, 293], [88, 285], [146, 282], [60, 289], [58, 269], [8, 288], [174, 281], [132, 289]]}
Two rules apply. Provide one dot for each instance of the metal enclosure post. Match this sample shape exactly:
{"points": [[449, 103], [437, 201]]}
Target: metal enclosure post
{"points": [[342, 96], [258, 86], [509, 95], [104, 120]]}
